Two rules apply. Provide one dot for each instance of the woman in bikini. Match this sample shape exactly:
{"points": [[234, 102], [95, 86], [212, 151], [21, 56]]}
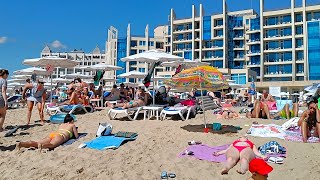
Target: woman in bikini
{"points": [[260, 110], [241, 150], [229, 114], [66, 131], [310, 120]]}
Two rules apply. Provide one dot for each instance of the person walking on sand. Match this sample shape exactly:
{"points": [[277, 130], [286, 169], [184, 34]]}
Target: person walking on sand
{"points": [[242, 151], [66, 131], [3, 96], [37, 96]]}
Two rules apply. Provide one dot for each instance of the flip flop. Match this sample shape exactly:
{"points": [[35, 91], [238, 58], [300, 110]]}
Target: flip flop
{"points": [[164, 175], [187, 152], [193, 142], [171, 175]]}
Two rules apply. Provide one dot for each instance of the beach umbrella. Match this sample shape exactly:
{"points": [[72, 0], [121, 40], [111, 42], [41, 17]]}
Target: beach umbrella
{"points": [[76, 75], [235, 86], [14, 84], [109, 79], [153, 57], [202, 77], [51, 62], [185, 63], [31, 71], [312, 88], [54, 61], [16, 80], [133, 74], [21, 76], [61, 80]]}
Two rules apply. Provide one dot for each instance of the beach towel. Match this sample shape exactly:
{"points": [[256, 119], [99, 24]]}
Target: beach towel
{"points": [[71, 141], [205, 152], [225, 129], [294, 134], [269, 130], [293, 122], [107, 142]]}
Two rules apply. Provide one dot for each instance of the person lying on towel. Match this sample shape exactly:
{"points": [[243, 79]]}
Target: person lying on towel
{"points": [[142, 99], [66, 131], [260, 110], [310, 121], [241, 150], [229, 114]]}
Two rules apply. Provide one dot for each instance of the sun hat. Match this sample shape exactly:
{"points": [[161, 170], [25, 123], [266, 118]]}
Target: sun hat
{"points": [[259, 166]]}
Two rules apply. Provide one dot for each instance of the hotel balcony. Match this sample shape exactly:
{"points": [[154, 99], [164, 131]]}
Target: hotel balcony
{"points": [[251, 42], [300, 48], [240, 37], [250, 64], [182, 40], [253, 31], [182, 31], [300, 61], [277, 37], [300, 73], [277, 50], [299, 36], [218, 27], [284, 24], [218, 37], [212, 58], [256, 53], [238, 28], [212, 48], [277, 62], [238, 48], [278, 74], [239, 58]]}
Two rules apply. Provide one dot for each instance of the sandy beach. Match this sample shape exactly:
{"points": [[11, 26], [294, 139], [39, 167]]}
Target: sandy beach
{"points": [[155, 150]]}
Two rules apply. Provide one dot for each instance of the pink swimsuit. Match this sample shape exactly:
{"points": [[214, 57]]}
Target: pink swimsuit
{"points": [[240, 148]]}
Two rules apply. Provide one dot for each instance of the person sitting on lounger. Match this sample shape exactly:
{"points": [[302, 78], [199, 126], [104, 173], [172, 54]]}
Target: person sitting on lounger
{"points": [[310, 122], [241, 150], [66, 131], [114, 94], [142, 99], [73, 98], [260, 110]]}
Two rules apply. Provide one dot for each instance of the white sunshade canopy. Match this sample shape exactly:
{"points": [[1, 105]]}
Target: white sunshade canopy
{"points": [[132, 74], [236, 86], [186, 63], [14, 84], [152, 56], [313, 88], [31, 70], [76, 75], [16, 80], [54, 61], [103, 67], [61, 80], [109, 79]]}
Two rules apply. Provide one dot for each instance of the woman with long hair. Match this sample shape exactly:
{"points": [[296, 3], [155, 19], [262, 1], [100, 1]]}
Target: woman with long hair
{"points": [[3, 96]]}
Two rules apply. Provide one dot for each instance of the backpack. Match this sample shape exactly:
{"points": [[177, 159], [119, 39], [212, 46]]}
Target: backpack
{"points": [[104, 129]]}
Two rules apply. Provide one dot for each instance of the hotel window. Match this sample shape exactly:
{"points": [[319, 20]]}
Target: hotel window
{"points": [[142, 43], [151, 43], [167, 68], [159, 45], [316, 15], [132, 52], [287, 31], [299, 68], [298, 18], [286, 19], [140, 51], [299, 30], [207, 28], [247, 21], [299, 43], [309, 16], [299, 55], [287, 44], [133, 43]]}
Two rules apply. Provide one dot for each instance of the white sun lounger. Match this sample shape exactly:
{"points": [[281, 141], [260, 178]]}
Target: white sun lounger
{"points": [[14, 100], [178, 111], [75, 108], [131, 113]]}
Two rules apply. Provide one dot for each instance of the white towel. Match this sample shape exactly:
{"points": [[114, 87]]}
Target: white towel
{"points": [[293, 122]]}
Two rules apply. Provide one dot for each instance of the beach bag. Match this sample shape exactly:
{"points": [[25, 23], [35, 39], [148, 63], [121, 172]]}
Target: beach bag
{"points": [[104, 129], [271, 105]]}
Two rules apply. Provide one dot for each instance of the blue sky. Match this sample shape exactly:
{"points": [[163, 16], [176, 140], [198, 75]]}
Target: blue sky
{"points": [[26, 26]]}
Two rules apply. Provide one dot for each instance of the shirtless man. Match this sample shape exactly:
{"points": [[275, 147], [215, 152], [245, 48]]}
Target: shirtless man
{"points": [[310, 120]]}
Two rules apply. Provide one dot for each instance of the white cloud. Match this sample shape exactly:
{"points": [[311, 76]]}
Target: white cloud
{"points": [[58, 44], [3, 40]]}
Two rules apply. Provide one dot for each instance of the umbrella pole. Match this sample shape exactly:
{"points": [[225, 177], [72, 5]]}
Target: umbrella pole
{"points": [[153, 96], [51, 89], [204, 112]]}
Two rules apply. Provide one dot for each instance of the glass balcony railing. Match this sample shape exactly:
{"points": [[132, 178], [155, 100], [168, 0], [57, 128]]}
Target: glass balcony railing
{"points": [[278, 72]]}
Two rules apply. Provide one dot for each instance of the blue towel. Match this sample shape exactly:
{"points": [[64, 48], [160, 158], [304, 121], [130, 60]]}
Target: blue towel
{"points": [[71, 141], [107, 142]]}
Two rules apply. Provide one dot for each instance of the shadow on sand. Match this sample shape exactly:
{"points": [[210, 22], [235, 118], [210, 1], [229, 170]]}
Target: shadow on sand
{"points": [[200, 128]]}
